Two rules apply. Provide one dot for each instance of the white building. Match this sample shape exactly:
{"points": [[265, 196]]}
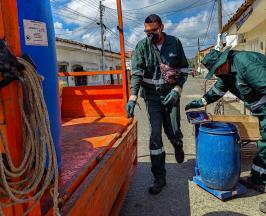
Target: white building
{"points": [[129, 55], [246, 30], [75, 56]]}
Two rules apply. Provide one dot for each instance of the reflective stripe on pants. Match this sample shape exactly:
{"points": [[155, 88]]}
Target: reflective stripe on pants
{"points": [[258, 173], [157, 151], [159, 116]]}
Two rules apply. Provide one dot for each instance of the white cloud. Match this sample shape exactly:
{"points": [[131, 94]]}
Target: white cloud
{"points": [[58, 25], [60, 30], [189, 28], [229, 7], [92, 39]]}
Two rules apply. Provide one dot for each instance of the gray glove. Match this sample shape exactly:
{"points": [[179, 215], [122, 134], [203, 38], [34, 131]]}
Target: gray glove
{"points": [[171, 99], [196, 104]]}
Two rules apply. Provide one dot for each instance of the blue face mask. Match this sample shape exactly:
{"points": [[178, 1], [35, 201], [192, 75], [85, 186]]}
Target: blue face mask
{"points": [[154, 37]]}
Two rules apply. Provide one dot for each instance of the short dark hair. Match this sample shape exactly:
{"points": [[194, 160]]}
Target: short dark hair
{"points": [[153, 18]]}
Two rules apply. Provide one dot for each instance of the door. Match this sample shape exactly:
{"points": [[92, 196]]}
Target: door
{"points": [[80, 80]]}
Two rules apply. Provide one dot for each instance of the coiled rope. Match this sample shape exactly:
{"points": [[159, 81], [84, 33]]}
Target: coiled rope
{"points": [[30, 180]]}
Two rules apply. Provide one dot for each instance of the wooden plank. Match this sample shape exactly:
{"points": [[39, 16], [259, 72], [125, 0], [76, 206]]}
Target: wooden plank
{"points": [[123, 192], [8, 211], [123, 56], [81, 108], [88, 73], [107, 178], [85, 141], [248, 125], [93, 90], [10, 25], [92, 101], [2, 33]]}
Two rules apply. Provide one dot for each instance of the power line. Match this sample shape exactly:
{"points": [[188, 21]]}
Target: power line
{"points": [[126, 41], [92, 33], [209, 22], [70, 10], [83, 28], [126, 24], [72, 14], [102, 33], [89, 4], [71, 17], [191, 6], [117, 36], [194, 4], [125, 17], [152, 5]]}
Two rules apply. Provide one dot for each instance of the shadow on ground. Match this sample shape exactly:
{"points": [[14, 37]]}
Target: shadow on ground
{"points": [[173, 200]]}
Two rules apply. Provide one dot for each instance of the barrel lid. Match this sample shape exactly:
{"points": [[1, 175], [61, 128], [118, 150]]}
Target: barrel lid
{"points": [[218, 128]]}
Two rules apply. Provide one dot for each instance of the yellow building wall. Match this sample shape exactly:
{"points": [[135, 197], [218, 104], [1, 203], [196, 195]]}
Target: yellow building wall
{"points": [[256, 39]]}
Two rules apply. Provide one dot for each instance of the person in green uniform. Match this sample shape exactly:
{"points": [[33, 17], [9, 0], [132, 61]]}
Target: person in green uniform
{"points": [[157, 52], [243, 73]]}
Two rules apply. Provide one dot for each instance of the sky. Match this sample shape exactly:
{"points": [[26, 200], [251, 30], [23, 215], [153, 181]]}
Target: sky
{"points": [[186, 19]]}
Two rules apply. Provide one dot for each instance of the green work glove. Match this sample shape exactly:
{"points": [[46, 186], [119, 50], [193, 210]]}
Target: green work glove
{"points": [[171, 99], [196, 104], [131, 106]]}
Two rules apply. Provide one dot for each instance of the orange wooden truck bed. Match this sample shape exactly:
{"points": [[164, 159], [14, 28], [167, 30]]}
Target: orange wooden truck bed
{"points": [[99, 144], [99, 151]]}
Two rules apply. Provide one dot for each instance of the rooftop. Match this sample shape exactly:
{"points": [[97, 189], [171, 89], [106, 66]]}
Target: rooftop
{"points": [[238, 14], [83, 45]]}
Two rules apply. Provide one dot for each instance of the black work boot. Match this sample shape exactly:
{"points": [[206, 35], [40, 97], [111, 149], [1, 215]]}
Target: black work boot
{"points": [[247, 181], [263, 207], [157, 186], [179, 155]]}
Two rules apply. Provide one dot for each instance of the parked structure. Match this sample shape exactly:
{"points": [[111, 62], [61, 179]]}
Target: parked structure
{"points": [[73, 56]]}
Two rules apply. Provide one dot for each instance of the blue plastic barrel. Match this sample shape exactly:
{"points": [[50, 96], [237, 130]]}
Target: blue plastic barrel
{"points": [[37, 39], [219, 158]]}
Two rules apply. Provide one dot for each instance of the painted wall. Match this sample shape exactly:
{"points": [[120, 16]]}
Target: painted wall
{"points": [[89, 59], [252, 34], [256, 39]]}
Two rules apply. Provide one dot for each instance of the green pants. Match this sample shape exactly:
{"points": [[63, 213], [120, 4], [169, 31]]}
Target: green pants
{"points": [[168, 118], [258, 171]]}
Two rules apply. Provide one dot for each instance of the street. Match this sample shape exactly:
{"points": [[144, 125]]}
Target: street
{"points": [[181, 197]]}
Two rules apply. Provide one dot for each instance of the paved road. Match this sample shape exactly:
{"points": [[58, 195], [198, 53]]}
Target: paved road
{"points": [[181, 197]]}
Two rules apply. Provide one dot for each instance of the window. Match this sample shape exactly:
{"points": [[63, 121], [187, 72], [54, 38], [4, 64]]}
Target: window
{"points": [[253, 45], [63, 68], [80, 80]]}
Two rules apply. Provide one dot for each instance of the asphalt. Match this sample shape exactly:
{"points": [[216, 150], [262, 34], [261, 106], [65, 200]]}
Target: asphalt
{"points": [[181, 197]]}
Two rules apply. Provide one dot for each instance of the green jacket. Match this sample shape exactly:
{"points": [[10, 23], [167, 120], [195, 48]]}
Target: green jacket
{"points": [[248, 80], [146, 68]]}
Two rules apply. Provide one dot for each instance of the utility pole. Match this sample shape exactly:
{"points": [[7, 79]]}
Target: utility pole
{"points": [[102, 34], [198, 45], [220, 20], [220, 103], [199, 64]]}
